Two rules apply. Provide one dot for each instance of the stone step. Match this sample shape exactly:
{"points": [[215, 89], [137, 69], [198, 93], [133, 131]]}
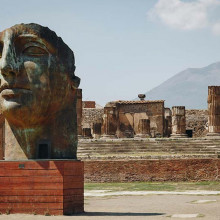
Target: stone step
{"points": [[141, 144], [147, 145], [151, 142], [130, 157], [149, 148], [128, 148], [153, 150]]}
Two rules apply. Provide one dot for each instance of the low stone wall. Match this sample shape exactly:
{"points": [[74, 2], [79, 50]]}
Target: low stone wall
{"points": [[91, 115], [152, 170], [197, 120]]}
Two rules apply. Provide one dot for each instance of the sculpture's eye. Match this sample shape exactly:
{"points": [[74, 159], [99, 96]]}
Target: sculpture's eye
{"points": [[1, 49], [34, 51]]}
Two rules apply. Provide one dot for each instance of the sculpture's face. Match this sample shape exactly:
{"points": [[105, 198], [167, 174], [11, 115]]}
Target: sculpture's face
{"points": [[33, 83]]}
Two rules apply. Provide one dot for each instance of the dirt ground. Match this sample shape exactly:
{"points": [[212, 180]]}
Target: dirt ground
{"points": [[155, 207]]}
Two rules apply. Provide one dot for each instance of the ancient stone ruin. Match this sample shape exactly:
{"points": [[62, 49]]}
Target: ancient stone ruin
{"points": [[124, 119], [147, 119]]}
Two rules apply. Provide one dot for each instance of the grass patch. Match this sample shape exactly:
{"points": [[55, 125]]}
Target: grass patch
{"points": [[154, 186]]}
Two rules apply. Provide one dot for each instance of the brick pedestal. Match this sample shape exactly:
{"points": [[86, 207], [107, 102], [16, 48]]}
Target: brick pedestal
{"points": [[47, 187]]}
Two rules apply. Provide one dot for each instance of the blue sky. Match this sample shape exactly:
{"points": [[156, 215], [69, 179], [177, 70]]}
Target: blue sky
{"points": [[126, 47]]}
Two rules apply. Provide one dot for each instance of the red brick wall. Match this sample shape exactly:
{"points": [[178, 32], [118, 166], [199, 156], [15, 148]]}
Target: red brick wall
{"points": [[130, 114], [152, 170], [41, 187], [88, 104]]}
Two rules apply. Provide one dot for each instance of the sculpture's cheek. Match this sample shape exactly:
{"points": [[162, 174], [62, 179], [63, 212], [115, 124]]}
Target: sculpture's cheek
{"points": [[30, 65], [37, 74]]}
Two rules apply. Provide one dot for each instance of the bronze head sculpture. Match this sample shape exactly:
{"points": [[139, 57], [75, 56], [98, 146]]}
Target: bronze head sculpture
{"points": [[37, 93]]}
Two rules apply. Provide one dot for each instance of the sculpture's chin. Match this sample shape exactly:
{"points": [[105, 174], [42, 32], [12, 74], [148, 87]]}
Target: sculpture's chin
{"points": [[10, 105], [12, 99], [20, 115]]}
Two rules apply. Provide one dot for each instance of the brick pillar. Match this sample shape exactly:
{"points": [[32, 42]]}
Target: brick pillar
{"points": [[168, 122], [143, 128], [178, 122], [214, 110], [79, 111], [96, 127]]}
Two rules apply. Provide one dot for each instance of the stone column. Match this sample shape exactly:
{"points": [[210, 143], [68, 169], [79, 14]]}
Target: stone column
{"points": [[178, 122], [168, 122], [97, 127], [109, 126], [79, 111], [214, 111], [143, 128]]}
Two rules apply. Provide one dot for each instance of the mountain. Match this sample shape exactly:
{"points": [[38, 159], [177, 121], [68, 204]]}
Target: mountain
{"points": [[188, 88]]}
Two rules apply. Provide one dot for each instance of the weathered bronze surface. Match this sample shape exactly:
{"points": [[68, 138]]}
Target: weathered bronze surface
{"points": [[37, 93]]}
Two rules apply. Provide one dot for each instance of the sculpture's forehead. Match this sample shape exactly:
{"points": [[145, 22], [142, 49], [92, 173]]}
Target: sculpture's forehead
{"points": [[19, 30], [28, 33]]}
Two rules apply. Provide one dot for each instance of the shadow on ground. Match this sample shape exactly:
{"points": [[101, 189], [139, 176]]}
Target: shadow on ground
{"points": [[118, 214]]}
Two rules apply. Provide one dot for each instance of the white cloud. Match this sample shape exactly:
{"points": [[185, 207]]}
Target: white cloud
{"points": [[216, 28], [184, 15]]}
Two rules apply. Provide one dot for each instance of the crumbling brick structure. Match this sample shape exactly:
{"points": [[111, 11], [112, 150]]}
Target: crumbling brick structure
{"points": [[123, 118], [88, 104]]}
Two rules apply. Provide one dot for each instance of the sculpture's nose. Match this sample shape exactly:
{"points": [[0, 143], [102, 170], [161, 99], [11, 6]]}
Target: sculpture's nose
{"points": [[8, 65]]}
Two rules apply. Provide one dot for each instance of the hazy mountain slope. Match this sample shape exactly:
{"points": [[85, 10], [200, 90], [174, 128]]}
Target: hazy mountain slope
{"points": [[189, 87]]}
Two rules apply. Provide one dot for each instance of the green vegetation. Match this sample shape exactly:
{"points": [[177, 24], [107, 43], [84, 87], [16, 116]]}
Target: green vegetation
{"points": [[154, 186]]}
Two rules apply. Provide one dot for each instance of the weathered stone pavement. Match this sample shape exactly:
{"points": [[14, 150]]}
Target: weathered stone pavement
{"points": [[204, 205]]}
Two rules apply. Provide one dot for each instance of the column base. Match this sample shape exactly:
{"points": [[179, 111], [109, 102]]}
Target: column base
{"points": [[80, 136], [46, 187], [212, 135], [96, 136], [178, 136], [109, 137], [142, 136]]}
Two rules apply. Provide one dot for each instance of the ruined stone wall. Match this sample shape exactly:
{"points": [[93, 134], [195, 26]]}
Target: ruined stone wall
{"points": [[130, 114], [152, 170], [91, 115], [197, 120]]}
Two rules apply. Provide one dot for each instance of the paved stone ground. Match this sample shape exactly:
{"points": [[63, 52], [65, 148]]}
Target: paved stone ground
{"points": [[155, 207]]}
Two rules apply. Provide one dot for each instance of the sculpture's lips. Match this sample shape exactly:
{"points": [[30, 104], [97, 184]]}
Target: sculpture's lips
{"points": [[13, 86], [13, 92]]}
